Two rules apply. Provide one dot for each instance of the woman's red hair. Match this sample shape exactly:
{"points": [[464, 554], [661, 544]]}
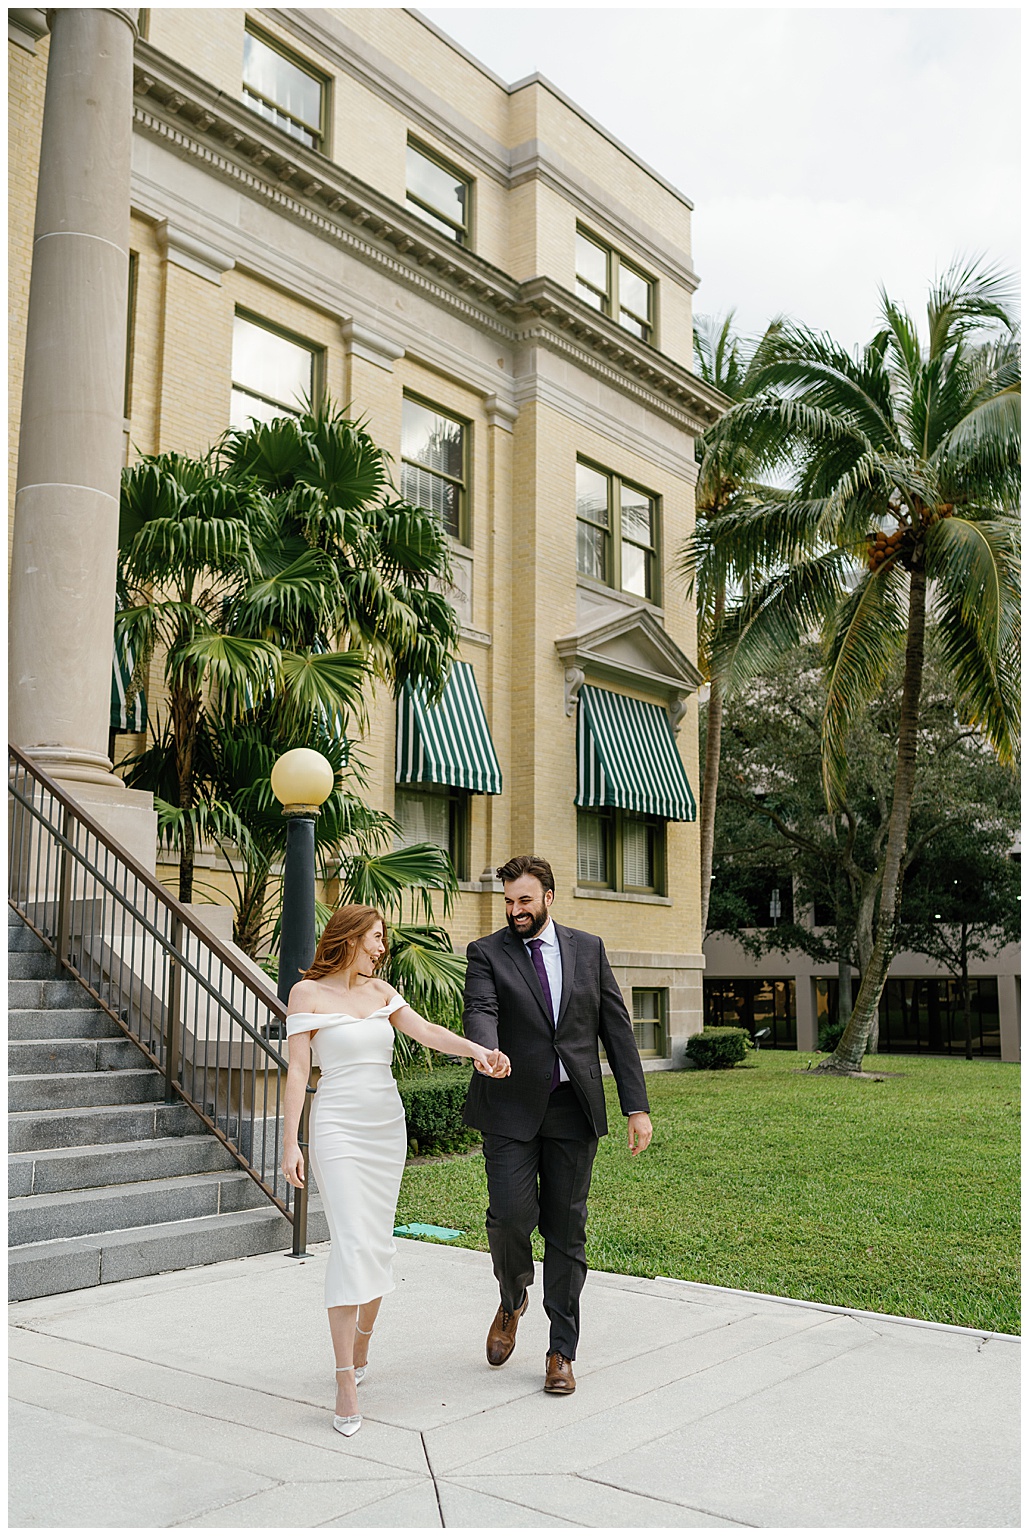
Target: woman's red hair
{"points": [[339, 939]]}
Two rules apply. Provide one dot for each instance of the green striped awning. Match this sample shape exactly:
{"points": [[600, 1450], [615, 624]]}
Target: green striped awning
{"points": [[628, 757], [122, 718], [449, 742]]}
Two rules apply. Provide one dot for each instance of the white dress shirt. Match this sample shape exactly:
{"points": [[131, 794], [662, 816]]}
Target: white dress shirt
{"points": [[551, 953]]}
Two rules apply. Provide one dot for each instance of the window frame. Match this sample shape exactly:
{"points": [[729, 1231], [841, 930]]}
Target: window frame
{"points": [[323, 81], [612, 305], [614, 537], [660, 1021], [463, 234], [463, 536], [614, 821], [459, 803], [317, 364]]}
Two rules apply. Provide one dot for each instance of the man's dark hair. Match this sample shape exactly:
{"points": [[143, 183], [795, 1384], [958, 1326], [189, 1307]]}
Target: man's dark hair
{"points": [[527, 864]]}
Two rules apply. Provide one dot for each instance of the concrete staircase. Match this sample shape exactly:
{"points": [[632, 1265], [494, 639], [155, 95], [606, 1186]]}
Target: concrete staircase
{"points": [[107, 1182]]}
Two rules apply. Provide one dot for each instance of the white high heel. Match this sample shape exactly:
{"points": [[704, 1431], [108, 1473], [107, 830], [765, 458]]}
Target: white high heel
{"points": [[361, 1371], [352, 1422]]}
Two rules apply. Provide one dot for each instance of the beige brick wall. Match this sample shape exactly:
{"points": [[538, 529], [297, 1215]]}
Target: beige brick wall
{"points": [[208, 40]]}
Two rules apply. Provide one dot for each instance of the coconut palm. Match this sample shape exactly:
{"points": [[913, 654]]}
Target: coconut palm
{"points": [[727, 483], [903, 517]]}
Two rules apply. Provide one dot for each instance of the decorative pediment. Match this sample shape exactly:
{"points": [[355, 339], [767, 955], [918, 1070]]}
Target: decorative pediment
{"points": [[631, 648]]}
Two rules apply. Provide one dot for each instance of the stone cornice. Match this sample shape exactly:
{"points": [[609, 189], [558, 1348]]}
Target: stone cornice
{"points": [[204, 125]]}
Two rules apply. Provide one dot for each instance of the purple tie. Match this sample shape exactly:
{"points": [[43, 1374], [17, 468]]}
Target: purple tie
{"points": [[535, 946]]}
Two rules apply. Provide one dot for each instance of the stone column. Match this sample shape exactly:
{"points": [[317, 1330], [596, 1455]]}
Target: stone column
{"points": [[71, 438], [1008, 989]]}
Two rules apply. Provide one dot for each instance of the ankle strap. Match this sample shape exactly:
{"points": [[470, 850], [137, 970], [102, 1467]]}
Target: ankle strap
{"points": [[367, 1332], [343, 1368]]}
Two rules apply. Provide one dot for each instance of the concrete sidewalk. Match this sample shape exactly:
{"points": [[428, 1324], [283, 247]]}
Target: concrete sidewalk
{"points": [[203, 1399]]}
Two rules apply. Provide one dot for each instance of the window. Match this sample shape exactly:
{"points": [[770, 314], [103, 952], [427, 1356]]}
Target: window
{"points": [[281, 89], [608, 283], [754, 1006], [439, 194], [616, 532], [435, 814], [621, 851], [272, 374], [649, 1012], [434, 452]]}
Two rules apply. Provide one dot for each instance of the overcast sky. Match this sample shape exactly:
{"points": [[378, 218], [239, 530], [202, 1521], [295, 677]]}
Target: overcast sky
{"points": [[826, 151]]}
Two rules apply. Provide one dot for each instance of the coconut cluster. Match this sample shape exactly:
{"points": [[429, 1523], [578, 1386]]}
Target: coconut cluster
{"points": [[882, 545]]}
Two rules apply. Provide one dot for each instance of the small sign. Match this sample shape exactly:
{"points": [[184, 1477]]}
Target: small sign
{"points": [[422, 1229]]}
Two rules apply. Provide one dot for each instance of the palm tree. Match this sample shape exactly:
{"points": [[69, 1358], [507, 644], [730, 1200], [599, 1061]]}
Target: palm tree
{"points": [[903, 517], [726, 484]]}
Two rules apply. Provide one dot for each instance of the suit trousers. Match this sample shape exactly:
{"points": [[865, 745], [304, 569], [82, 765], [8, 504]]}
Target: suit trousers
{"points": [[543, 1182]]}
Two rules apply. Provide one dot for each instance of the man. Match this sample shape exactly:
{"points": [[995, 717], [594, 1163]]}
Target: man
{"points": [[547, 998]]}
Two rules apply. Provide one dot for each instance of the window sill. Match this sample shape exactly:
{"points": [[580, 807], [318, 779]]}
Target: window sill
{"points": [[479, 885], [630, 599], [587, 893]]}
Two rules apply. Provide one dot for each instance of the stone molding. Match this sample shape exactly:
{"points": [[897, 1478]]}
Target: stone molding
{"points": [[26, 27], [632, 649], [370, 345], [227, 140], [185, 250], [500, 413]]}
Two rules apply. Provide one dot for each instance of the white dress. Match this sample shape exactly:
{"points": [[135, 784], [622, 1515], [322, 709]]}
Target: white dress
{"points": [[358, 1146]]}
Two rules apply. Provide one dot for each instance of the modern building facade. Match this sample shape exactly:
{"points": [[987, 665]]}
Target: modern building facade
{"points": [[343, 203]]}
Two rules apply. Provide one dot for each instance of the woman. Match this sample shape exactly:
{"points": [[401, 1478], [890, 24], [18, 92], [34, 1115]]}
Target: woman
{"points": [[344, 1015]]}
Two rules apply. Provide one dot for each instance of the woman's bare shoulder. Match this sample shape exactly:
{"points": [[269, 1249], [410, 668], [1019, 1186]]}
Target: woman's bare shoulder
{"points": [[304, 997]]}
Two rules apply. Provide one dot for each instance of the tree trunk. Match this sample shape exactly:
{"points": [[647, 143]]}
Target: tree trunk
{"points": [[185, 713], [966, 1001], [848, 1055], [844, 991], [709, 799]]}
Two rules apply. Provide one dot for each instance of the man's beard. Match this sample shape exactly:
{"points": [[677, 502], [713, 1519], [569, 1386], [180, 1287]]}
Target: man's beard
{"points": [[539, 920]]}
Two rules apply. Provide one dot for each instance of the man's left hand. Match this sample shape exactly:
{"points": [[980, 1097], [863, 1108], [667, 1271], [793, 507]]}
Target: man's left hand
{"points": [[640, 1132]]}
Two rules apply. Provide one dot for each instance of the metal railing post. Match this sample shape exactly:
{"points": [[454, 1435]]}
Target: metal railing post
{"points": [[173, 1012], [299, 1249], [65, 877]]}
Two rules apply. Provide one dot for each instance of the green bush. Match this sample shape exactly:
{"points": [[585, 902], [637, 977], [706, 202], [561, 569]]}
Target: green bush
{"points": [[718, 1047], [433, 1102], [830, 1034]]}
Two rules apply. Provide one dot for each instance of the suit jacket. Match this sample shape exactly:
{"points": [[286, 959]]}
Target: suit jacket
{"points": [[504, 1006]]}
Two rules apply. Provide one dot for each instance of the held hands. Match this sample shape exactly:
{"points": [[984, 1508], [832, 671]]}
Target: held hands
{"points": [[293, 1166], [492, 1063], [640, 1132]]}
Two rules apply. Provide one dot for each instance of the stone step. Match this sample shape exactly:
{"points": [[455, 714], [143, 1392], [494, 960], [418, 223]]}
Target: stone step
{"points": [[43, 1023], [150, 1202], [27, 965], [77, 1090], [119, 1162], [51, 1129], [60, 1056], [68, 993], [45, 1269], [21, 937]]}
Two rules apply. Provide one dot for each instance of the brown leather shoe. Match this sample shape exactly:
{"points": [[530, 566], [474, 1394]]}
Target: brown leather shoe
{"points": [[500, 1340], [559, 1374]]}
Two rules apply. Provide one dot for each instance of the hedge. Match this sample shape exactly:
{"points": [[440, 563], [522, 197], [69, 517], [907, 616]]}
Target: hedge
{"points": [[718, 1047], [433, 1102]]}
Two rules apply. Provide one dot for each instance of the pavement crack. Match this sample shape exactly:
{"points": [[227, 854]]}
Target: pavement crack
{"points": [[435, 1485], [714, 1514]]}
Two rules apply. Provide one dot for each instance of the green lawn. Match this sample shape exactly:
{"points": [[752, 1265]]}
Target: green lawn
{"points": [[899, 1196]]}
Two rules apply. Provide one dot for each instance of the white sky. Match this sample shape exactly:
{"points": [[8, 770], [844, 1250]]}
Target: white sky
{"points": [[826, 150]]}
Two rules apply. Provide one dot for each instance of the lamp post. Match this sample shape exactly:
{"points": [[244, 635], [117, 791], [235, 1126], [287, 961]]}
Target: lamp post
{"points": [[302, 780]]}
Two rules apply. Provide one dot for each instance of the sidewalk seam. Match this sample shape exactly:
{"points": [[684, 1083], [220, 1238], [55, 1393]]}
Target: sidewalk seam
{"points": [[435, 1485]]}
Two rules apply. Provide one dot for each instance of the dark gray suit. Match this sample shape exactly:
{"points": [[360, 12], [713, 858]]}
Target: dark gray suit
{"points": [[539, 1145]]}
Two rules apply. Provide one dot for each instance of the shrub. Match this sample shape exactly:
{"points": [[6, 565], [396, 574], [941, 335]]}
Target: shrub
{"points": [[830, 1034], [718, 1047], [433, 1102]]}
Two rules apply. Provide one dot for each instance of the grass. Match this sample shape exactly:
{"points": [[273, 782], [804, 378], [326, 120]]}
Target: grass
{"points": [[900, 1196]]}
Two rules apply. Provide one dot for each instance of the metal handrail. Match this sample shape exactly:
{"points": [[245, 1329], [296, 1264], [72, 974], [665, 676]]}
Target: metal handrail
{"points": [[193, 1007]]}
